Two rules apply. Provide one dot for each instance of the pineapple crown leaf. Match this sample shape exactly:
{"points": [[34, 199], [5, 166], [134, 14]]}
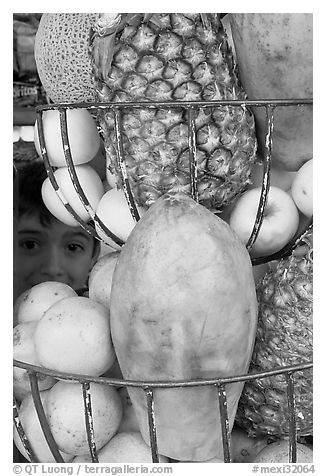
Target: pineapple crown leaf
{"points": [[111, 23], [107, 24], [204, 19]]}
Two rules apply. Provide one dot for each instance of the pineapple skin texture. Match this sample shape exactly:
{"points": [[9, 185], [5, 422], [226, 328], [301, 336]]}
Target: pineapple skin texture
{"points": [[175, 57], [284, 338]]}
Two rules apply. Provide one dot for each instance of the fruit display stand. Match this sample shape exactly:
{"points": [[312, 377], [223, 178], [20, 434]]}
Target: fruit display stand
{"points": [[148, 386]]}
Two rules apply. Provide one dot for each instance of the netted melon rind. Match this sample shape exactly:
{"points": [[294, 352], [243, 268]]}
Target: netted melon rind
{"points": [[62, 58]]}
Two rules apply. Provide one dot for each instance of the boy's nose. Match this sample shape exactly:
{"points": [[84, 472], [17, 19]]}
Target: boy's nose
{"points": [[54, 268]]}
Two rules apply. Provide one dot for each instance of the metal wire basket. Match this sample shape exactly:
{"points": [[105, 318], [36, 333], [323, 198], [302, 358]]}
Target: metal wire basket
{"points": [[149, 386]]}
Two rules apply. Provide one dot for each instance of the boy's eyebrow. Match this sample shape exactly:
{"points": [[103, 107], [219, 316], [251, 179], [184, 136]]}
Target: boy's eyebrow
{"points": [[78, 234], [30, 231]]}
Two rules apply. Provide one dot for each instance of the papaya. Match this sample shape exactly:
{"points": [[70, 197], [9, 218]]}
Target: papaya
{"points": [[183, 307], [275, 61]]}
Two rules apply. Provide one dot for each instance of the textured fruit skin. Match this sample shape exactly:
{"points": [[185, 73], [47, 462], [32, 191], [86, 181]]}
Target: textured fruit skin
{"points": [[34, 302], [175, 57], [274, 54], [278, 452], [284, 337], [182, 300], [74, 336], [114, 213], [61, 55], [302, 189], [243, 448], [65, 412], [24, 350]]}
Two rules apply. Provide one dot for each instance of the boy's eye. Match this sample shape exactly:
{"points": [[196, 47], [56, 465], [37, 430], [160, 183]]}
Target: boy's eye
{"points": [[29, 245], [75, 247]]}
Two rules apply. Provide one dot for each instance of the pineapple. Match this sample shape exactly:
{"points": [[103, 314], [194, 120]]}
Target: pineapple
{"points": [[284, 337], [173, 57]]}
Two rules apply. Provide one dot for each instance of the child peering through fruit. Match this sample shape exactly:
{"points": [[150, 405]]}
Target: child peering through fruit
{"points": [[46, 249]]}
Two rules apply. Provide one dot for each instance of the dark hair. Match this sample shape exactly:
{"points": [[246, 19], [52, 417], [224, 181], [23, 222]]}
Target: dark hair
{"points": [[30, 201]]}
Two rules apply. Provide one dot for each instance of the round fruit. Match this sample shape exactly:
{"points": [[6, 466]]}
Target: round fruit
{"points": [[244, 448], [278, 452], [74, 336], [91, 185], [32, 303], [24, 350], [17, 304], [66, 415], [100, 278], [34, 432], [114, 212], [302, 189], [62, 57], [280, 221], [125, 447], [84, 139]]}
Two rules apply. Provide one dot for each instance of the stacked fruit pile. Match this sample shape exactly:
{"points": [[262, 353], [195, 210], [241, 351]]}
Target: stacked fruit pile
{"points": [[178, 299]]}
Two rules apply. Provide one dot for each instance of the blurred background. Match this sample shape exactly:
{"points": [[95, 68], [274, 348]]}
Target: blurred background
{"points": [[27, 88]]}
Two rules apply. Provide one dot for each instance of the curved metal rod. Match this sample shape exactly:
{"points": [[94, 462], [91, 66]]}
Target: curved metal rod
{"points": [[50, 173], [151, 423], [89, 421], [122, 166], [292, 422], [22, 435], [192, 154], [173, 104], [225, 425], [284, 252], [42, 418], [75, 181], [266, 177], [161, 383], [268, 104], [70, 165], [72, 171]]}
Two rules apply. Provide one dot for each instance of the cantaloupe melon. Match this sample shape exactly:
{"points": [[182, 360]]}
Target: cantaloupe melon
{"points": [[183, 307], [61, 55]]}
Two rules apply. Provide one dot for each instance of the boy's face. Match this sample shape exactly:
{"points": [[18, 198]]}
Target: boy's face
{"points": [[55, 252]]}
